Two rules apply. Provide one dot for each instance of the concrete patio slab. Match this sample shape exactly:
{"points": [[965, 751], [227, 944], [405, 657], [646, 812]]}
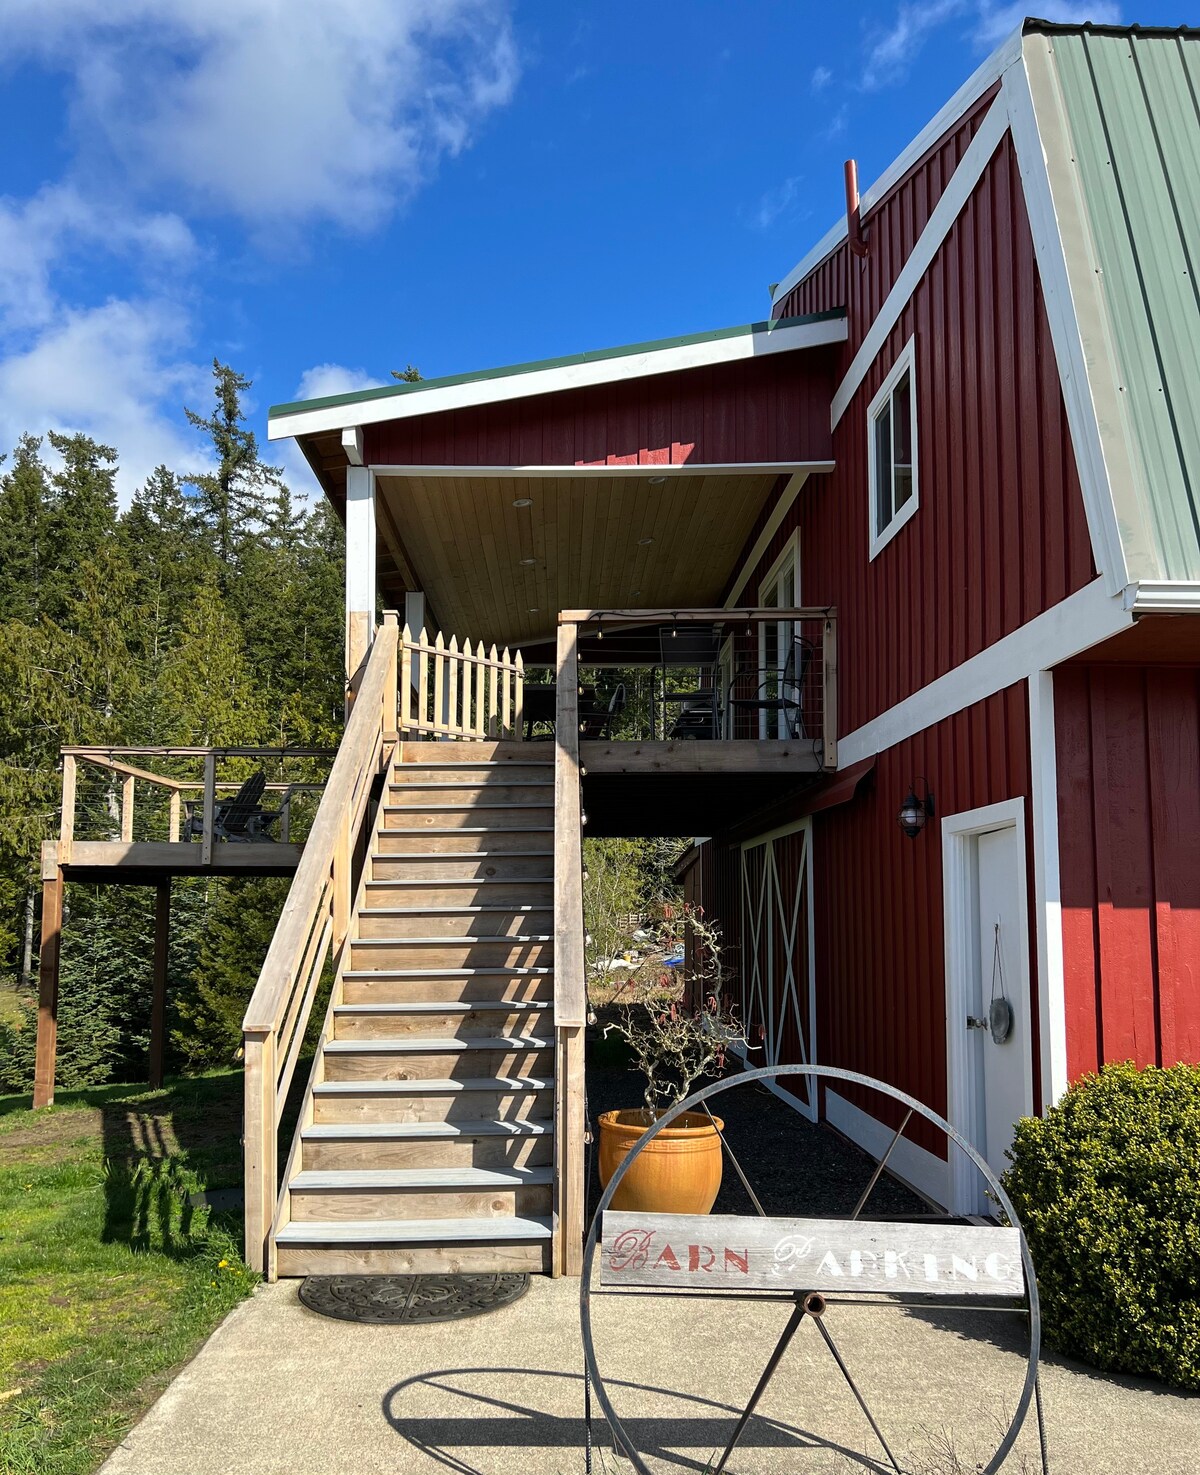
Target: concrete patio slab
{"points": [[278, 1389]]}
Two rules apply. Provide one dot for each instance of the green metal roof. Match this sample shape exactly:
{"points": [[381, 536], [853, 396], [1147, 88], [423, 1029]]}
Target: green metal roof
{"points": [[591, 356], [1133, 103]]}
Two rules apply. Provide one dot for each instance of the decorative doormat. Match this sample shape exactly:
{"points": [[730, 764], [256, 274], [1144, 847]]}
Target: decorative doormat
{"points": [[394, 1299]]}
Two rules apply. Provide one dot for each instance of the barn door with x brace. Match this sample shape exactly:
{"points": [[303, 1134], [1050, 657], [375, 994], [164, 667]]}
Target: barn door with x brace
{"points": [[778, 964]]}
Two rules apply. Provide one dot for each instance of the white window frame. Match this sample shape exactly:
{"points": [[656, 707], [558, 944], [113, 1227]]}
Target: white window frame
{"points": [[790, 552], [906, 361]]}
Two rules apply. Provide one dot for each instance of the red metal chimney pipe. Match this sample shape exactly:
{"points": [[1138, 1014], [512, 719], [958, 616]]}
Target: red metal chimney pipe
{"points": [[854, 230]]}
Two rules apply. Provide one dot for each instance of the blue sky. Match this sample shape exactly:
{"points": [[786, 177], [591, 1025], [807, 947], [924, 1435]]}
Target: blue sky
{"points": [[319, 193]]}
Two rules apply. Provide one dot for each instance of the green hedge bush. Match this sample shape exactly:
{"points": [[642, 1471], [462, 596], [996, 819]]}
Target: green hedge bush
{"points": [[1107, 1186]]}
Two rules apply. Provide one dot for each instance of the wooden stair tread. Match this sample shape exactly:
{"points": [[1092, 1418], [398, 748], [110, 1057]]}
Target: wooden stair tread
{"points": [[423, 1044], [468, 783], [411, 1231], [516, 971], [470, 830], [463, 881], [424, 1131], [455, 939], [457, 1007], [497, 765], [469, 808], [463, 911], [368, 1178], [432, 1087]]}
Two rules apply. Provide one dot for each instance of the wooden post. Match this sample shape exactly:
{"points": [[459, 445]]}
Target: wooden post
{"points": [[158, 1000], [173, 822], [210, 808], [405, 682], [829, 695], [127, 784], [391, 687], [48, 964], [360, 574], [570, 1000], [260, 1147], [342, 857], [66, 827]]}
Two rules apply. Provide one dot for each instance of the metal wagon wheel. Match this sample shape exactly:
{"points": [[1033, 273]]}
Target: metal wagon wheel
{"points": [[815, 1306]]}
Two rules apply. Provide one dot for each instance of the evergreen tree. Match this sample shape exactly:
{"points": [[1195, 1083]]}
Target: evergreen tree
{"points": [[24, 504], [80, 518], [232, 499]]}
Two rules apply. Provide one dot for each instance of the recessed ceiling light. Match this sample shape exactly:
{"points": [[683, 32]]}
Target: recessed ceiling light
{"points": [[533, 609], [523, 502], [645, 542], [634, 594], [528, 562], [657, 481]]}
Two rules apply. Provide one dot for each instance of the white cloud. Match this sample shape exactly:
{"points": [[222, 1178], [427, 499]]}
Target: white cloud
{"points": [[773, 203], [998, 21], [820, 79], [277, 113], [326, 379], [891, 52], [116, 372]]}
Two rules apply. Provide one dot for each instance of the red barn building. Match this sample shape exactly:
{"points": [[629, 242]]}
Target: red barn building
{"points": [[926, 549]]}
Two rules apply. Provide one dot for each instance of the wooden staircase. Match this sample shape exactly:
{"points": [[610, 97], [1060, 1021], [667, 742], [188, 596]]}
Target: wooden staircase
{"points": [[426, 1136]]}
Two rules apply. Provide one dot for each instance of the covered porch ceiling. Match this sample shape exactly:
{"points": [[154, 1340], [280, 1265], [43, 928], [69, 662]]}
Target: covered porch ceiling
{"points": [[641, 475]]}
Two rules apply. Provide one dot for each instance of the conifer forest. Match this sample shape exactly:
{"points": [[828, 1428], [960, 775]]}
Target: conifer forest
{"points": [[207, 612]]}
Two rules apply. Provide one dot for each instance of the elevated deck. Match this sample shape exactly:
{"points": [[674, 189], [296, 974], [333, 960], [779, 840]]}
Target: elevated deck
{"points": [[147, 862]]}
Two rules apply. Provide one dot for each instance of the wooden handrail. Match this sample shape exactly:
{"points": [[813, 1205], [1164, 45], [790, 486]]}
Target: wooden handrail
{"points": [[314, 923]]}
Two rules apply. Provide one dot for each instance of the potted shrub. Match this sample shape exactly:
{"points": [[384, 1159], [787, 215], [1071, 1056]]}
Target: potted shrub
{"points": [[674, 1047]]}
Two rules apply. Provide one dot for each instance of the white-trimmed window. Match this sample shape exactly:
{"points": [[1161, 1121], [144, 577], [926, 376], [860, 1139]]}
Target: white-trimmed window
{"points": [[892, 453]]}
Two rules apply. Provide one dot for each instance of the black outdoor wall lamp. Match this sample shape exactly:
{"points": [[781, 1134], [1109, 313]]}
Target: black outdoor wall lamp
{"points": [[914, 812]]}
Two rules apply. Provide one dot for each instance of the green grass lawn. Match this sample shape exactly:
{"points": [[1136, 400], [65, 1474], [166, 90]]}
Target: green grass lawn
{"points": [[109, 1278]]}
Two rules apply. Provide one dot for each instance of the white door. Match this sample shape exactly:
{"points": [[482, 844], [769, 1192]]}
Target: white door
{"points": [[1001, 975], [991, 1073]]}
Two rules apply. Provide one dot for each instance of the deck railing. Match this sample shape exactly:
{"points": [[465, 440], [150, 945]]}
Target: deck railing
{"points": [[312, 929], [453, 691], [151, 820]]}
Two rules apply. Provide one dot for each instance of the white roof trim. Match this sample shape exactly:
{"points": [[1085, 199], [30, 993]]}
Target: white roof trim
{"points": [[1163, 597], [496, 390], [970, 92]]}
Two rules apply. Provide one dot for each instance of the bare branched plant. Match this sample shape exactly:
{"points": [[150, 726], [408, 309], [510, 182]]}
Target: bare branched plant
{"points": [[675, 1045]]}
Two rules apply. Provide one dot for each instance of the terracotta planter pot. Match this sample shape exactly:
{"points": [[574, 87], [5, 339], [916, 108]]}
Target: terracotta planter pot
{"points": [[679, 1172]]}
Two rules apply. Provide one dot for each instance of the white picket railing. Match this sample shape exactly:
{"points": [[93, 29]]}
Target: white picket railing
{"points": [[452, 692]]}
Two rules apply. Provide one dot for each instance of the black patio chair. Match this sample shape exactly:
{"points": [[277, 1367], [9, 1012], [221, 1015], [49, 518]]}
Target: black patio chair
{"points": [[596, 720], [782, 692], [691, 648], [241, 819]]}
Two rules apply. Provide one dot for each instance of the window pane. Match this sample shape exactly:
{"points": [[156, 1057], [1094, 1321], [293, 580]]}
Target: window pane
{"points": [[883, 470], [902, 412]]}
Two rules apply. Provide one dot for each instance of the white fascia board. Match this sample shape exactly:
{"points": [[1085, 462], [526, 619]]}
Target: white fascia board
{"points": [[1047, 889], [1084, 619], [614, 370], [599, 468], [969, 93], [974, 161], [1163, 597]]}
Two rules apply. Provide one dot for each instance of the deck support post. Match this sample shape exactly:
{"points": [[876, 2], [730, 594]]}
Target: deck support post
{"points": [[48, 964], [158, 1001], [360, 574], [259, 1147], [570, 992]]}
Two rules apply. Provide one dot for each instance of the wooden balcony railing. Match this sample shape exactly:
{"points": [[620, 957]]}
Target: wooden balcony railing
{"points": [[312, 928], [151, 819], [448, 691]]}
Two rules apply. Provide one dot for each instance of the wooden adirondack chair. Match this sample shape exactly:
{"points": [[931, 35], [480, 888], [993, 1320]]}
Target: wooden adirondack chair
{"points": [[241, 819]]}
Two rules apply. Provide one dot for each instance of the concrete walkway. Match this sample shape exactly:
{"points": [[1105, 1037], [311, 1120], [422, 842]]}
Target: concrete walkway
{"points": [[278, 1389]]}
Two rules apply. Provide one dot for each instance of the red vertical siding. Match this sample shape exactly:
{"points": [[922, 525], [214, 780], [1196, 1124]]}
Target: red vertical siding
{"points": [[878, 914], [1128, 745], [1000, 534]]}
